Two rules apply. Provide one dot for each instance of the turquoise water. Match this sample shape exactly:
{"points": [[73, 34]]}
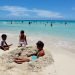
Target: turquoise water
{"points": [[58, 28]]}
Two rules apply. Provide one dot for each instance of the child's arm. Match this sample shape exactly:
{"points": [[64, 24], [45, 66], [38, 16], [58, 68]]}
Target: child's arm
{"points": [[2, 45], [26, 40], [32, 55], [8, 45]]}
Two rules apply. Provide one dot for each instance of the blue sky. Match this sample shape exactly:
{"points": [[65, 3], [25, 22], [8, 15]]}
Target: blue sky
{"points": [[37, 9]]}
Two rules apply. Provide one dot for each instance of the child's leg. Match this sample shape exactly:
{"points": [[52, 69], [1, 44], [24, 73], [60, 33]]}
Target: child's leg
{"points": [[6, 48], [1, 48], [20, 45], [21, 60], [24, 44]]}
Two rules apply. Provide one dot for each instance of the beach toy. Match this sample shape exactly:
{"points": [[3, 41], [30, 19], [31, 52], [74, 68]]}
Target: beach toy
{"points": [[34, 58]]}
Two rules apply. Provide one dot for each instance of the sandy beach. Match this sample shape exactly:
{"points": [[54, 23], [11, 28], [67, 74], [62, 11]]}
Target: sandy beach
{"points": [[62, 52], [36, 24]]}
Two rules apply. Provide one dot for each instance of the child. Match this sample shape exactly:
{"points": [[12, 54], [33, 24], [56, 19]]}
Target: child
{"points": [[22, 39], [39, 53], [40, 46], [4, 46]]}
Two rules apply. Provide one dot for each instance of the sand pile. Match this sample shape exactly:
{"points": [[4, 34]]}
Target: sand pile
{"points": [[8, 67]]}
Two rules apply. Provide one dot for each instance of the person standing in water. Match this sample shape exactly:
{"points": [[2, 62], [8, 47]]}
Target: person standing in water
{"points": [[22, 39], [11, 22], [65, 23], [51, 24], [22, 21], [45, 25]]}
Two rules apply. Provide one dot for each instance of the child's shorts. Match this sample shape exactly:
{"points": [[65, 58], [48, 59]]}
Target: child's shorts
{"points": [[22, 43]]}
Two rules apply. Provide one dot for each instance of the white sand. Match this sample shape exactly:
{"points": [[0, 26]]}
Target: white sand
{"points": [[63, 53]]}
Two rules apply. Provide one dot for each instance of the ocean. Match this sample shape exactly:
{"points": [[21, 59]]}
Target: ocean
{"points": [[58, 28]]}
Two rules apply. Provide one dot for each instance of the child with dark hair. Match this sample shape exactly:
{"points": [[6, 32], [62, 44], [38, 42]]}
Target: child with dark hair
{"points": [[22, 39], [40, 46], [39, 51], [4, 46]]}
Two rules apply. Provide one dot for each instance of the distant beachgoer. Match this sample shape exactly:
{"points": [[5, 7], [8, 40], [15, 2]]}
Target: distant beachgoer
{"points": [[22, 21], [51, 24], [45, 25], [40, 52], [29, 22], [4, 46], [47, 22], [11, 22], [65, 23], [22, 39]]}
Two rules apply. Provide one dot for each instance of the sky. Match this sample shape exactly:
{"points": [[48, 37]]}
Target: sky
{"points": [[37, 9]]}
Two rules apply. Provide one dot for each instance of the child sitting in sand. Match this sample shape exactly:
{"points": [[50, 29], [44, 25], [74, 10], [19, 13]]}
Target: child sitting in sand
{"points": [[4, 46], [40, 50], [40, 46], [22, 39], [40, 53]]}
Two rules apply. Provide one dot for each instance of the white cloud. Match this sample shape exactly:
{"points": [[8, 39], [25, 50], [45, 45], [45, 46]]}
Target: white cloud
{"points": [[24, 12], [46, 13], [15, 10]]}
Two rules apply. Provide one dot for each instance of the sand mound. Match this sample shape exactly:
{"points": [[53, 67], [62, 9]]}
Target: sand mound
{"points": [[8, 67]]}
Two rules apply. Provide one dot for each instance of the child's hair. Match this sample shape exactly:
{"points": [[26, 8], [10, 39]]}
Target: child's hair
{"points": [[4, 36], [22, 31], [40, 44]]}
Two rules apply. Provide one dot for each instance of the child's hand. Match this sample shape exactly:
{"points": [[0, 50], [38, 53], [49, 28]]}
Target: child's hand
{"points": [[10, 44]]}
